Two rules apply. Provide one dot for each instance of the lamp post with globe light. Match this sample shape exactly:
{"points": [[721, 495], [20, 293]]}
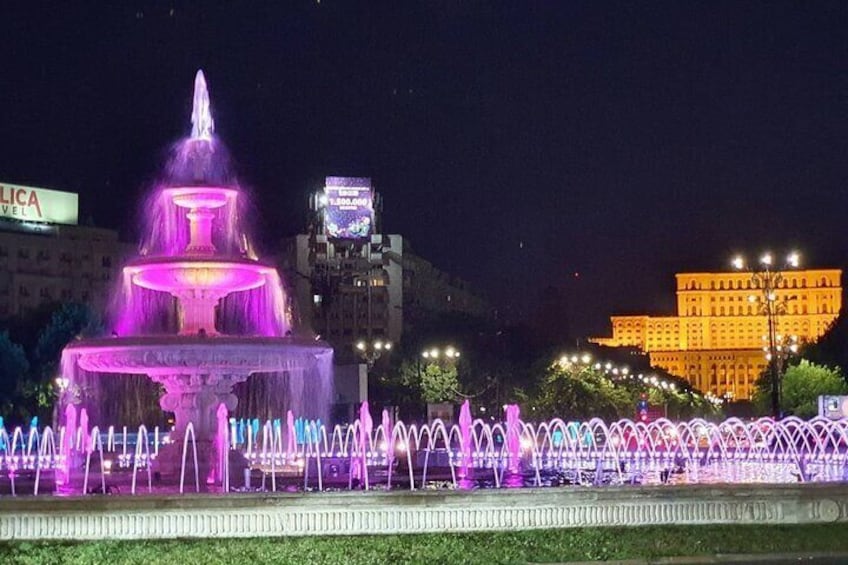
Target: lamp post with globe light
{"points": [[370, 351], [767, 276]]}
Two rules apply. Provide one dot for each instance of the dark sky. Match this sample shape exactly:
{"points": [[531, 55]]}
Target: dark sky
{"points": [[514, 143]]}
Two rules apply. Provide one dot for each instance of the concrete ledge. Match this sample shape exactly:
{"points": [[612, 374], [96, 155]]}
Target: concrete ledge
{"points": [[351, 513]]}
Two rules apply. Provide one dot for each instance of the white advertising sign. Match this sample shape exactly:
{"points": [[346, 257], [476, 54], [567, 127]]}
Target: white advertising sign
{"points": [[31, 204]]}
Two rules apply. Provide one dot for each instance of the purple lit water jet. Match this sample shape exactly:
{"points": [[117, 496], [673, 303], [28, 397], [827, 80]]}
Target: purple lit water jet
{"points": [[465, 421], [513, 436]]}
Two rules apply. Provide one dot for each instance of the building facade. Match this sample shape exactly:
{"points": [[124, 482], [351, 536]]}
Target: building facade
{"points": [[45, 257], [57, 264], [347, 291], [429, 291], [716, 340], [349, 282]]}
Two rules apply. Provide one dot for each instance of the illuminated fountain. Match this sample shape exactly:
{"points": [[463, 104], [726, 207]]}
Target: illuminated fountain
{"points": [[198, 312], [201, 315]]}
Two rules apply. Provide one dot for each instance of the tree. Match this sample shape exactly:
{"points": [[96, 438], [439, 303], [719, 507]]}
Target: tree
{"points": [[13, 368], [580, 392], [69, 321], [832, 348], [439, 383], [802, 385]]}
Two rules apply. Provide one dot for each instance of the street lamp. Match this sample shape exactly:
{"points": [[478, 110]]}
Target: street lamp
{"points": [[62, 383], [370, 351], [767, 277], [434, 353]]}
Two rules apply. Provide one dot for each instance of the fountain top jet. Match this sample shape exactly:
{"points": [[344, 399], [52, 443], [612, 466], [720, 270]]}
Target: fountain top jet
{"points": [[202, 124]]}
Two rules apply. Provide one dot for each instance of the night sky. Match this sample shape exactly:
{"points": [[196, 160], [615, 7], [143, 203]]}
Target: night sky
{"points": [[515, 144]]}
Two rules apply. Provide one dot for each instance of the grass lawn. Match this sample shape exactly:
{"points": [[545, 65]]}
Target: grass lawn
{"points": [[495, 547]]}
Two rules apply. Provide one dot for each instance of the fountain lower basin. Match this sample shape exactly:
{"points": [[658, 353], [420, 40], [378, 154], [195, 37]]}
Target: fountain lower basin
{"points": [[163, 355], [198, 373]]}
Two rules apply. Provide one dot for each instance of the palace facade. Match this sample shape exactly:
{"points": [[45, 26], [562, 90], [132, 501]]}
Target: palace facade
{"points": [[716, 340]]}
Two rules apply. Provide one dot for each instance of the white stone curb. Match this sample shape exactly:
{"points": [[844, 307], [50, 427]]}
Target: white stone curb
{"points": [[149, 517]]}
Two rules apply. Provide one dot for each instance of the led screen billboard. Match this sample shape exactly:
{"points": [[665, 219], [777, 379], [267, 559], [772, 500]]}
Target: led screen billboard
{"points": [[29, 204], [349, 208]]}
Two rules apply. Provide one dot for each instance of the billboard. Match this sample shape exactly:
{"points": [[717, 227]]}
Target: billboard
{"points": [[349, 208], [30, 204], [833, 407]]}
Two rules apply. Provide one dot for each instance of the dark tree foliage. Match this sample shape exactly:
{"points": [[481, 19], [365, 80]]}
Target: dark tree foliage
{"points": [[13, 367], [832, 349], [27, 389], [70, 321]]}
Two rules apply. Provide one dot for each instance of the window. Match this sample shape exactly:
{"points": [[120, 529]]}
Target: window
{"points": [[106, 261]]}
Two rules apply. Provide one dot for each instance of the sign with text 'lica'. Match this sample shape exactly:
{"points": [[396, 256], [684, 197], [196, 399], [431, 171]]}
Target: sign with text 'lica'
{"points": [[349, 208], [29, 204]]}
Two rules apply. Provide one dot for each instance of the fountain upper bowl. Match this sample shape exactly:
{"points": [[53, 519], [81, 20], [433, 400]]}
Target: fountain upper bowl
{"points": [[194, 197]]}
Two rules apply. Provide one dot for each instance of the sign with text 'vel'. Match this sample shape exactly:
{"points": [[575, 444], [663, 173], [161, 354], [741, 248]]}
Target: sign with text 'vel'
{"points": [[30, 204]]}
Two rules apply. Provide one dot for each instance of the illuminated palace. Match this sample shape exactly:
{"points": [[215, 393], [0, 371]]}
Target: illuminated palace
{"points": [[716, 339]]}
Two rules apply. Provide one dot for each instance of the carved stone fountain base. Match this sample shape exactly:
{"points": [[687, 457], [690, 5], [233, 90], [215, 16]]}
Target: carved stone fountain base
{"points": [[198, 374]]}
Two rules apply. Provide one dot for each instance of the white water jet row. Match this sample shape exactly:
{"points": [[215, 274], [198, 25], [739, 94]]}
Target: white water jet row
{"points": [[308, 455]]}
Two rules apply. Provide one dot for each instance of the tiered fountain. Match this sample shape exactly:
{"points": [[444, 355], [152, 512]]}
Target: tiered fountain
{"points": [[198, 311]]}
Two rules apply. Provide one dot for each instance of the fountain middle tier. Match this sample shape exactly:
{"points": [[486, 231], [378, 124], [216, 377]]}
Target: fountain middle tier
{"points": [[198, 283], [217, 276]]}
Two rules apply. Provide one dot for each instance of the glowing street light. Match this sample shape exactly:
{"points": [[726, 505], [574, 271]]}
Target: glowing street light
{"points": [[738, 262], [370, 351], [450, 352]]}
